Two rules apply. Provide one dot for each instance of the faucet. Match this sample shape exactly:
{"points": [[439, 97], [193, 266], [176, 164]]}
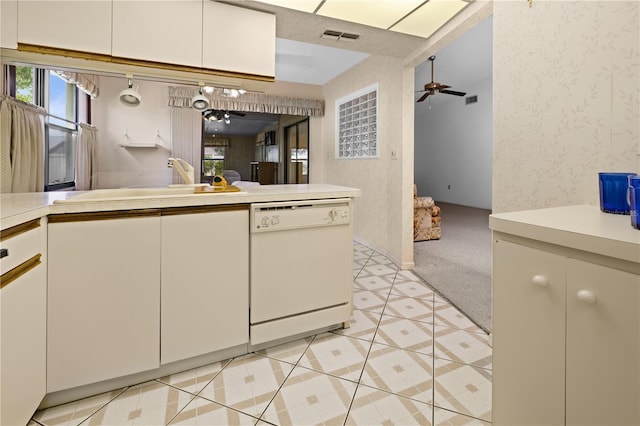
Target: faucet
{"points": [[184, 169]]}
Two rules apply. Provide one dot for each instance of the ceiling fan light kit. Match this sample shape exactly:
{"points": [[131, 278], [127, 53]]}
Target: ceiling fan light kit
{"points": [[433, 87]]}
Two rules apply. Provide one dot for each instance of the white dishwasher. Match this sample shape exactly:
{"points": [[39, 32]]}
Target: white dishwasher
{"points": [[301, 267]]}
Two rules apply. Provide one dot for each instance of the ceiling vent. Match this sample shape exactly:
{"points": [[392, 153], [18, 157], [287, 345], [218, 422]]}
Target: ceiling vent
{"points": [[339, 35], [471, 99]]}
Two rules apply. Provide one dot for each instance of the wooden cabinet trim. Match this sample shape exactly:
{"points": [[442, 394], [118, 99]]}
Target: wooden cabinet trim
{"points": [[19, 229], [12, 275], [106, 215], [78, 54], [172, 211]]}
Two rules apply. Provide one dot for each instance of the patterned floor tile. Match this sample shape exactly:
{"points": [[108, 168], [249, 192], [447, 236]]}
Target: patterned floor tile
{"points": [[340, 356], [449, 418], [374, 283], [309, 397], [463, 388], [410, 308], [463, 346], [416, 289], [405, 334], [288, 352], [247, 383], [448, 315], [369, 300], [375, 407], [201, 411], [363, 325], [75, 412], [379, 269], [195, 380], [398, 371], [149, 403], [381, 260]]}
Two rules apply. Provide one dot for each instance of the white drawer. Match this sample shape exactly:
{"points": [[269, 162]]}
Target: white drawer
{"points": [[22, 242]]}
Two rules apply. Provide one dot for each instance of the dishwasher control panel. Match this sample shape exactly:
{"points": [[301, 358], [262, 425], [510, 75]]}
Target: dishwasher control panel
{"points": [[280, 216]]}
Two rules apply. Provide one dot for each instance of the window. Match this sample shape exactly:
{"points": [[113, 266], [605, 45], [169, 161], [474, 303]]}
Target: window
{"points": [[357, 124], [47, 89], [213, 160]]}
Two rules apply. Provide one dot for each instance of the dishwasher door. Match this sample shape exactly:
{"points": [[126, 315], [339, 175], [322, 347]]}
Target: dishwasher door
{"points": [[302, 261]]}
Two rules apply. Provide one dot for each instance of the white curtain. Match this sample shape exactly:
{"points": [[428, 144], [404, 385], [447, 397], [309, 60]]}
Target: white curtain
{"points": [[86, 157], [21, 146], [180, 96], [186, 139]]}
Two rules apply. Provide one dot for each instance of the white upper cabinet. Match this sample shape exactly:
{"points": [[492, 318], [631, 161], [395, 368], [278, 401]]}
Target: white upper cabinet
{"points": [[73, 25], [158, 31], [9, 24], [238, 40]]}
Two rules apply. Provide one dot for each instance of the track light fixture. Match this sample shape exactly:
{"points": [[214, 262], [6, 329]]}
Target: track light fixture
{"points": [[200, 102], [130, 96]]}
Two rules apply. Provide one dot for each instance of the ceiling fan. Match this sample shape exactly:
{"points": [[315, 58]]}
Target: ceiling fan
{"points": [[219, 115], [433, 87]]}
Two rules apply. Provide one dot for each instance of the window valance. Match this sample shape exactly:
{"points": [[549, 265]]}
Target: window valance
{"points": [[88, 83], [216, 141], [180, 96]]}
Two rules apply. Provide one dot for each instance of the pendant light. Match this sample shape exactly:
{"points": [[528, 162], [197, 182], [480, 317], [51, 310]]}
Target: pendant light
{"points": [[130, 96], [200, 102]]}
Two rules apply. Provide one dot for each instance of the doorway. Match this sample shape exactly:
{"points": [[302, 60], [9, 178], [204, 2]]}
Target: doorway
{"points": [[296, 148]]}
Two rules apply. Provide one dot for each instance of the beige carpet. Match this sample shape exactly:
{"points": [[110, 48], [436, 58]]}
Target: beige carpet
{"points": [[458, 266]]}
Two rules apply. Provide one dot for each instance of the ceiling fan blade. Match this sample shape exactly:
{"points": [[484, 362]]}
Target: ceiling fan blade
{"points": [[442, 86], [423, 97], [239, 114], [453, 92]]}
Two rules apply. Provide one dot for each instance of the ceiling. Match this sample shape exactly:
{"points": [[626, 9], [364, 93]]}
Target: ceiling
{"points": [[304, 56], [250, 124]]}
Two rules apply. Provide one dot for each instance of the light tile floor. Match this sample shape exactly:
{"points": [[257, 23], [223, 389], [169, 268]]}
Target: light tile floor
{"points": [[409, 357]]}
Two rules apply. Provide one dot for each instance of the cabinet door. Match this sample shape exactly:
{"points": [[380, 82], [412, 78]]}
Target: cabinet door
{"points": [[74, 25], [159, 31], [9, 24], [238, 39], [24, 315], [603, 345], [104, 298], [205, 283], [528, 335]]}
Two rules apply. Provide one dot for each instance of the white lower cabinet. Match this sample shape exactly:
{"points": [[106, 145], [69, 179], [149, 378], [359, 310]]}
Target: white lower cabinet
{"points": [[205, 282], [23, 310], [104, 297], [566, 338]]}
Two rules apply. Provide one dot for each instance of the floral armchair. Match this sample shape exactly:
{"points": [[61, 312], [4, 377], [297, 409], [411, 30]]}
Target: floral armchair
{"points": [[426, 218]]}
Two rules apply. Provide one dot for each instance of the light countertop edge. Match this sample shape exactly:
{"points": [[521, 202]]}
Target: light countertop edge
{"points": [[19, 208], [581, 227]]}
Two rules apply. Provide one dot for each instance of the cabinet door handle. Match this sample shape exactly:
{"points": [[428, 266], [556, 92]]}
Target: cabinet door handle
{"points": [[540, 280], [587, 296], [4, 253]]}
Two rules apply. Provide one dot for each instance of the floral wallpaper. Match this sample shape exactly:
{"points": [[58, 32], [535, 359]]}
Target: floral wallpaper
{"points": [[566, 100]]}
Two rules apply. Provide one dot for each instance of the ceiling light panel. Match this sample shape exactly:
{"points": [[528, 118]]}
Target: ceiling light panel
{"points": [[308, 6], [380, 13], [431, 16]]}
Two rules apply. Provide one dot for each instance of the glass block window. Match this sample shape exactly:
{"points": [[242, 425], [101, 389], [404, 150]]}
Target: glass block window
{"points": [[357, 124]]}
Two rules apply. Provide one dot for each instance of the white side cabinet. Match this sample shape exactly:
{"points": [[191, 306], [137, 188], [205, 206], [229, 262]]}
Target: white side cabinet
{"points": [[9, 24], [205, 281], [104, 297], [238, 39], [167, 31], [566, 318], [73, 25], [23, 326]]}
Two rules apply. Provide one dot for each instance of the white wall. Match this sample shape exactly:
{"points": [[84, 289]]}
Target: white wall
{"points": [[130, 167], [377, 218], [452, 148], [566, 100]]}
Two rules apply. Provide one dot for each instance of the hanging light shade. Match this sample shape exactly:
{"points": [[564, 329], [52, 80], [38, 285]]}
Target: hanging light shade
{"points": [[130, 96]]}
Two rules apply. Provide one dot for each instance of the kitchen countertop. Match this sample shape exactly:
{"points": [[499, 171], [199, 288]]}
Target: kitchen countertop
{"points": [[19, 208], [582, 227]]}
